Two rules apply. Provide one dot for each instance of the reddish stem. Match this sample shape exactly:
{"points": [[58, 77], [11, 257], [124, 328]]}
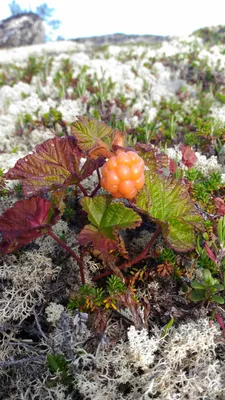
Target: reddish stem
{"points": [[83, 190], [98, 185], [69, 250], [95, 190], [99, 176], [141, 256]]}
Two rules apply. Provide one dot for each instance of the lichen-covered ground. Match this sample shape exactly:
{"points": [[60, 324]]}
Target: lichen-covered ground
{"points": [[164, 94]]}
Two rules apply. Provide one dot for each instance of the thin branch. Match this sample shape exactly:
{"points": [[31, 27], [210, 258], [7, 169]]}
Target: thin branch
{"points": [[69, 250], [4, 364], [26, 345], [40, 328]]}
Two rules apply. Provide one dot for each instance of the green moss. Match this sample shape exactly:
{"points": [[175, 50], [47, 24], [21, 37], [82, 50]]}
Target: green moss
{"points": [[220, 97], [52, 117]]}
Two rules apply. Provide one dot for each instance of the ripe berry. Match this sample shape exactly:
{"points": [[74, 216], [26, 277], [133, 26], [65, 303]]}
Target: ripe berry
{"points": [[123, 175]]}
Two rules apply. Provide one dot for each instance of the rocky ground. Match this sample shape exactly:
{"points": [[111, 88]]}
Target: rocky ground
{"points": [[164, 92]]}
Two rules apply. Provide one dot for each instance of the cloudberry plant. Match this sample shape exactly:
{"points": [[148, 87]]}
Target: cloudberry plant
{"points": [[123, 175], [58, 163]]}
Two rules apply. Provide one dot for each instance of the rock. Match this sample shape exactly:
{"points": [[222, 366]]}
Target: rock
{"points": [[22, 30]]}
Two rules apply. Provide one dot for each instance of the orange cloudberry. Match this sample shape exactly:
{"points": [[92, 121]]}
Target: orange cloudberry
{"points": [[123, 175]]}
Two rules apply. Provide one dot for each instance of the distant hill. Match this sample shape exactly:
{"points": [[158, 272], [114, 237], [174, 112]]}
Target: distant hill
{"points": [[117, 38], [212, 35]]}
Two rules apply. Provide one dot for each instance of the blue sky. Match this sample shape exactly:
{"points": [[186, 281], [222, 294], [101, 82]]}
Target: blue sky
{"points": [[157, 17]]}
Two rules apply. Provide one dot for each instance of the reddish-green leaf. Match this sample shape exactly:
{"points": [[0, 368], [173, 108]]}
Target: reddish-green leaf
{"points": [[210, 253], [154, 160], [104, 244], [220, 205], [95, 137], [167, 201], [25, 221], [54, 164], [57, 200]]}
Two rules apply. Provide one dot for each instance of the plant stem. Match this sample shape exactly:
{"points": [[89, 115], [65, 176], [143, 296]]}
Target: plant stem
{"points": [[69, 250], [83, 190], [141, 256], [98, 186], [99, 176], [95, 190]]}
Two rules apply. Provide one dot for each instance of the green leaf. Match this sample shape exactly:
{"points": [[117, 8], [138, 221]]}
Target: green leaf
{"points": [[115, 285], [88, 131], [107, 219], [96, 207], [217, 299], [207, 276], [196, 295], [167, 201], [167, 327], [218, 286], [197, 285], [56, 362], [221, 231], [108, 216]]}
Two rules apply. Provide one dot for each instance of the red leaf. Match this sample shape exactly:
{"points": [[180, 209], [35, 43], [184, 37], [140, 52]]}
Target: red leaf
{"points": [[210, 253], [172, 165], [188, 156], [220, 321], [25, 221], [220, 205]]}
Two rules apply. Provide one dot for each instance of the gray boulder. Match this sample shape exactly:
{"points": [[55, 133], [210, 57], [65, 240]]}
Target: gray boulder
{"points": [[22, 30]]}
